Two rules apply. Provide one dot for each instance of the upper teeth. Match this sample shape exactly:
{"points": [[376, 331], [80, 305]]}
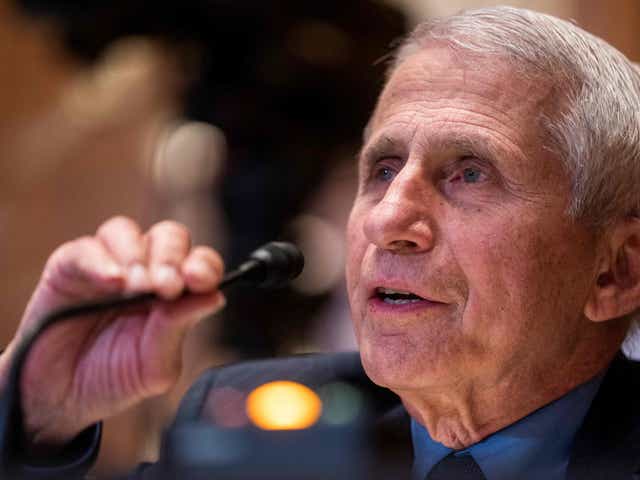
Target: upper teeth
{"points": [[388, 291]]}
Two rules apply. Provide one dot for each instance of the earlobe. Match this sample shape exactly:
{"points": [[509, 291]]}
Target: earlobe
{"points": [[616, 290]]}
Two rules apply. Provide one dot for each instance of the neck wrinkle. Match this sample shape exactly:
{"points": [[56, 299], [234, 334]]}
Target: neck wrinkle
{"points": [[465, 415]]}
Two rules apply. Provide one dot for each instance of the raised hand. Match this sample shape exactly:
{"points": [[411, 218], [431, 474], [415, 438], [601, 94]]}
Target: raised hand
{"points": [[88, 369]]}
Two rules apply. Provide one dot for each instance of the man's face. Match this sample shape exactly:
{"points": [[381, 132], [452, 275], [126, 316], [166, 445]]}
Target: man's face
{"points": [[463, 267]]}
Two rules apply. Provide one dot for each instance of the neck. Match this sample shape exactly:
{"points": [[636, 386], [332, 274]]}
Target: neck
{"points": [[461, 415]]}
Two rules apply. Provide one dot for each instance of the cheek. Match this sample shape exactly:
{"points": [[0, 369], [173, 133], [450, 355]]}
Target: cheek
{"points": [[525, 283], [497, 288], [356, 248]]}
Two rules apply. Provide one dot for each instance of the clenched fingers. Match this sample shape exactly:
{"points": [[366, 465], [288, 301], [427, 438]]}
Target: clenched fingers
{"points": [[161, 260]]}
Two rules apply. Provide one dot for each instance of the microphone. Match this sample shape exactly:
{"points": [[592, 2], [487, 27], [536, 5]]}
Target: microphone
{"points": [[270, 266]]}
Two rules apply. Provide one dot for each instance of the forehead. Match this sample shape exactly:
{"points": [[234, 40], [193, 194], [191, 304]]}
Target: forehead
{"points": [[438, 83]]}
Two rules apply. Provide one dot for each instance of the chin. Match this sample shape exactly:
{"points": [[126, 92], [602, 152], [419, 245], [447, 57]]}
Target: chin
{"points": [[394, 366], [402, 363]]}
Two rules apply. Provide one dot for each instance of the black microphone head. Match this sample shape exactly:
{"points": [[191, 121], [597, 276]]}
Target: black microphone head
{"points": [[282, 263]]}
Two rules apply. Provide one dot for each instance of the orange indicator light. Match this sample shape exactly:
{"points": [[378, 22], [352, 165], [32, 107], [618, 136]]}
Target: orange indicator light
{"points": [[283, 405]]}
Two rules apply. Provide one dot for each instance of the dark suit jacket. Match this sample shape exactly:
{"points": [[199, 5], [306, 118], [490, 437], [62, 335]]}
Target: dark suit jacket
{"points": [[606, 447]]}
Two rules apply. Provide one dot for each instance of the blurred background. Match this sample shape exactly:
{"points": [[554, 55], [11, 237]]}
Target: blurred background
{"points": [[240, 119]]}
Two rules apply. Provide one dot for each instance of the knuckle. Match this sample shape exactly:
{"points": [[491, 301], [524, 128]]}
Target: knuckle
{"points": [[71, 249], [58, 256], [117, 223], [169, 238], [67, 260], [169, 227]]}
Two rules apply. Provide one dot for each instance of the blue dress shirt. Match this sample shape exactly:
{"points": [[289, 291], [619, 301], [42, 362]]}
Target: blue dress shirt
{"points": [[536, 446]]}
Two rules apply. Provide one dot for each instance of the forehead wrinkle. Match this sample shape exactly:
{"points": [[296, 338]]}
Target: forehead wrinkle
{"points": [[406, 110], [495, 146], [391, 118], [496, 89]]}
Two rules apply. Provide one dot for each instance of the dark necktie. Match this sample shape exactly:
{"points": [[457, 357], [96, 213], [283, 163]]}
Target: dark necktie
{"points": [[452, 467]]}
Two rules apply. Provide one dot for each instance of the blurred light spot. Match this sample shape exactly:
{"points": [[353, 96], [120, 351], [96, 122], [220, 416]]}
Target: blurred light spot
{"points": [[323, 247], [342, 403], [320, 43], [225, 408], [189, 158], [283, 405]]}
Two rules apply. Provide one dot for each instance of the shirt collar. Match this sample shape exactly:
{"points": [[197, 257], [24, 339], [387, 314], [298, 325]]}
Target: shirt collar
{"points": [[536, 446]]}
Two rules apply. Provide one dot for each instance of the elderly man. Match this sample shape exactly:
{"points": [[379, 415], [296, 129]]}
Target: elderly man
{"points": [[493, 267]]}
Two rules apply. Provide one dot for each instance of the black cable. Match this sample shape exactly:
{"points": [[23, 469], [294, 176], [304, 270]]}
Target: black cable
{"points": [[272, 265]]}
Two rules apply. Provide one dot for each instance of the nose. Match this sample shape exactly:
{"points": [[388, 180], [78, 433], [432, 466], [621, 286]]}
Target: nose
{"points": [[402, 221]]}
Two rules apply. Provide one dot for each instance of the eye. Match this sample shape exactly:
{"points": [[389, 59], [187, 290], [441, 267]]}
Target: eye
{"points": [[384, 174], [471, 175], [467, 173], [384, 170]]}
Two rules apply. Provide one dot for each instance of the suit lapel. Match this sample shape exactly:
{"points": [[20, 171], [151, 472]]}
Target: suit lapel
{"points": [[607, 446], [394, 447]]}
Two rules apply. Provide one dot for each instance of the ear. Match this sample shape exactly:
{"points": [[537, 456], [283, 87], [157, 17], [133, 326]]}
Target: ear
{"points": [[616, 291]]}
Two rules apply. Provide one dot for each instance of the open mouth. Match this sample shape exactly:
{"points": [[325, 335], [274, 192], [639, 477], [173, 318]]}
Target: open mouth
{"points": [[397, 297]]}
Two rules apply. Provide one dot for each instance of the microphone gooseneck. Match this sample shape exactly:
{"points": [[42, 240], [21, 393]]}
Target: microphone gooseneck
{"points": [[270, 266], [274, 265]]}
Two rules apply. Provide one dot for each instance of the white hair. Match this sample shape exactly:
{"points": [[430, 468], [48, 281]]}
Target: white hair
{"points": [[594, 126]]}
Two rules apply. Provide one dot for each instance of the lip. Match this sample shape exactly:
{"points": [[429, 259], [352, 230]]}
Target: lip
{"points": [[376, 305], [401, 286]]}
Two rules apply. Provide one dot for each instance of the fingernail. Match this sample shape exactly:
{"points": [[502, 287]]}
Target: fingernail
{"points": [[138, 277], [165, 274]]}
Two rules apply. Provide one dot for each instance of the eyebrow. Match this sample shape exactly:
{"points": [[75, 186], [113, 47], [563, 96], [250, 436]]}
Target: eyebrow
{"points": [[474, 145], [382, 143]]}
